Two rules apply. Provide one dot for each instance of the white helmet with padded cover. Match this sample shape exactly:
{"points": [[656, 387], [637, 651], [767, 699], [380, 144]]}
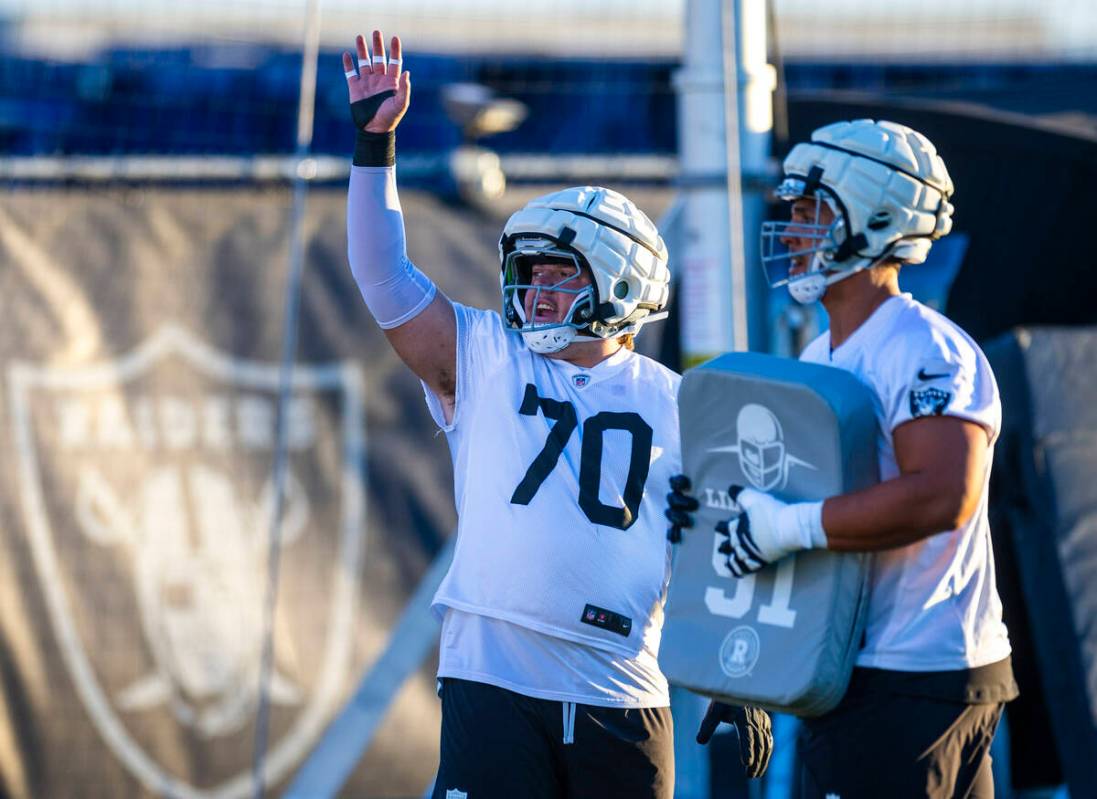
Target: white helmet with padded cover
{"points": [[889, 191], [584, 226]]}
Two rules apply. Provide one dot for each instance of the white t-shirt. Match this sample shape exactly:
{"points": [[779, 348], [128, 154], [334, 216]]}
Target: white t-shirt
{"points": [[560, 474], [933, 604]]}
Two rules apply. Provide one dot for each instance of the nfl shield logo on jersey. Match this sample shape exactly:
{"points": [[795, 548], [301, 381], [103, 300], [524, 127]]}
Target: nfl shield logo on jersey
{"points": [[453, 793], [580, 381]]}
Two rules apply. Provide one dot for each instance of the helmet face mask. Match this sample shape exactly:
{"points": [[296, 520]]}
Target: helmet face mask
{"points": [[605, 236], [816, 239], [517, 281]]}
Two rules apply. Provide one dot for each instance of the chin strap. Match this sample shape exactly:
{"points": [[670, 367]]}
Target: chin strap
{"points": [[546, 342], [653, 317], [557, 338], [811, 287]]}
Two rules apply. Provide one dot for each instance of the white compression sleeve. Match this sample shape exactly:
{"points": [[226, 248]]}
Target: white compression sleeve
{"points": [[395, 291]]}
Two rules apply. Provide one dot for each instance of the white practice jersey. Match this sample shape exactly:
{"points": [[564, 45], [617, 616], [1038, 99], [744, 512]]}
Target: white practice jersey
{"points": [[560, 476], [933, 605], [483, 649]]}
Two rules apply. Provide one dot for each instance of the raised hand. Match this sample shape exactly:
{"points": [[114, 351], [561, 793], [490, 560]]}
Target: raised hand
{"points": [[379, 89]]}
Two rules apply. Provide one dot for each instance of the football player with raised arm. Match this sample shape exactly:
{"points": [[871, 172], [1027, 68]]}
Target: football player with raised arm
{"points": [[934, 669], [562, 438]]}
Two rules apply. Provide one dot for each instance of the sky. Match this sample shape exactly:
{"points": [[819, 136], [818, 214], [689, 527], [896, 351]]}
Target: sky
{"points": [[971, 28]]}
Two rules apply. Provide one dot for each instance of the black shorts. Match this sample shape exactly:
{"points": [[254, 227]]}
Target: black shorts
{"points": [[500, 744], [882, 742]]}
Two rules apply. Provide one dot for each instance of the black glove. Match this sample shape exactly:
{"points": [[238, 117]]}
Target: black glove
{"points": [[755, 734], [679, 505]]}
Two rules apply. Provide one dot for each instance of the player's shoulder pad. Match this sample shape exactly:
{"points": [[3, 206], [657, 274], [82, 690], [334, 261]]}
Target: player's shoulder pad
{"points": [[664, 378], [934, 363], [921, 333], [483, 333]]}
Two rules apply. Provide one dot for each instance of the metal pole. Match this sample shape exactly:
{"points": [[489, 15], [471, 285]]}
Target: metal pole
{"points": [[756, 82], [306, 170], [724, 140], [703, 278], [737, 296]]}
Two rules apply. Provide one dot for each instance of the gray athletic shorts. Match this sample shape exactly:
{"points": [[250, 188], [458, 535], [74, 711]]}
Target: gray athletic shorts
{"points": [[497, 744]]}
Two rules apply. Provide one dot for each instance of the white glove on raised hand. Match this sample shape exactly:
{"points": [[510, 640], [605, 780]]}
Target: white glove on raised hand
{"points": [[767, 529]]}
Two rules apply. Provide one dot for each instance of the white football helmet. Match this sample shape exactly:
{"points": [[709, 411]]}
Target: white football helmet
{"points": [[889, 191], [593, 227]]}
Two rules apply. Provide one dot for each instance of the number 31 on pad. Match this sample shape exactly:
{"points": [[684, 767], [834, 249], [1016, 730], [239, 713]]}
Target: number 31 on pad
{"points": [[777, 612]]}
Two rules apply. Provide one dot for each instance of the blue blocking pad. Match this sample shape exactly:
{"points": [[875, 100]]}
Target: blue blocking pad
{"points": [[786, 637]]}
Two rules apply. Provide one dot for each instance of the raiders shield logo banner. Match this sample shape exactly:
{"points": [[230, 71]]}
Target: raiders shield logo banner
{"points": [[148, 499]]}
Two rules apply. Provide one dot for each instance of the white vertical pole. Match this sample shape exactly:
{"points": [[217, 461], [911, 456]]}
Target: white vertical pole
{"points": [[723, 144], [705, 283], [757, 81], [729, 24], [724, 149]]}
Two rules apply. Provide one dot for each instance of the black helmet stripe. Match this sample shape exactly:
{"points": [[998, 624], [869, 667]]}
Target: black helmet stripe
{"points": [[882, 162], [623, 232]]}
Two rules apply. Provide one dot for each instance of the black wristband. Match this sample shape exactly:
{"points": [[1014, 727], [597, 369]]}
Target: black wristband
{"points": [[372, 149], [375, 149]]}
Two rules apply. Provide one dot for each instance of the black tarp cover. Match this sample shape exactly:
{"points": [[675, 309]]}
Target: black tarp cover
{"points": [[1044, 503]]}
